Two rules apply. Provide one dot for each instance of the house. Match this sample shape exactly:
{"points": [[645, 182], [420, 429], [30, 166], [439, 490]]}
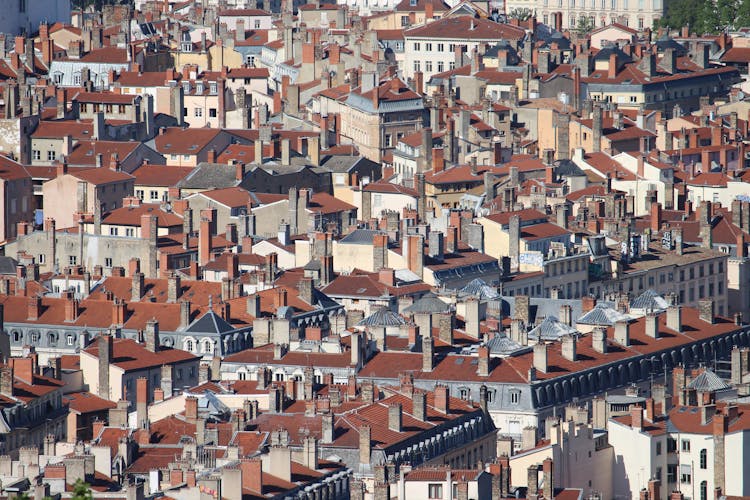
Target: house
{"points": [[184, 147], [84, 191]]}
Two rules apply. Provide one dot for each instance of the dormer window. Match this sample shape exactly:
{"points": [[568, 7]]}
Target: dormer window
{"points": [[413, 3], [214, 88], [186, 87], [186, 46], [199, 87]]}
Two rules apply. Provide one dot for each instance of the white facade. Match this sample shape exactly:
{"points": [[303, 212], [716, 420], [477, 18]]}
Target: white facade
{"points": [[252, 20], [17, 16], [632, 13]]}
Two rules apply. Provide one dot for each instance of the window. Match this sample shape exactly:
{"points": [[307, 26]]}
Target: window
{"points": [[417, 66], [428, 66], [41, 258], [139, 194], [257, 24], [21, 5], [51, 155], [703, 459], [154, 195], [515, 397], [72, 260], [704, 490], [417, 46], [198, 112], [108, 262], [434, 490], [658, 447], [685, 445], [212, 112], [441, 47], [400, 46], [36, 154], [685, 474], [69, 340], [129, 231], [189, 346], [113, 231], [464, 393], [404, 20]]}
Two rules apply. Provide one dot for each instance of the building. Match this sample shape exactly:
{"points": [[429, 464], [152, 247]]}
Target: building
{"points": [[25, 16]]}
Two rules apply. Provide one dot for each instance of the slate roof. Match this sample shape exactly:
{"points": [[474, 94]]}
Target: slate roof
{"points": [[210, 176], [209, 323], [567, 168], [708, 381], [430, 303], [551, 329], [479, 288], [360, 237], [8, 265], [501, 345], [649, 301], [603, 315], [384, 317]]}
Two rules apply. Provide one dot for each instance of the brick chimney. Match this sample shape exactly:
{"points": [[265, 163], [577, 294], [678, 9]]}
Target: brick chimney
{"points": [[442, 399]]}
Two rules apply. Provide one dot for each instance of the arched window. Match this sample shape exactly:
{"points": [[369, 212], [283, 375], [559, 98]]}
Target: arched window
{"points": [[189, 346], [704, 490], [703, 458], [208, 347]]}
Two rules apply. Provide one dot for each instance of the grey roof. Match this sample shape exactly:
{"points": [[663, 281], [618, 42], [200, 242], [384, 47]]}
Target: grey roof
{"points": [[429, 303], [708, 381], [501, 345], [603, 314], [649, 301], [551, 329], [360, 237], [567, 168], [665, 42], [209, 323], [313, 265], [541, 307], [341, 163], [210, 176], [8, 265], [622, 57], [383, 317], [479, 288]]}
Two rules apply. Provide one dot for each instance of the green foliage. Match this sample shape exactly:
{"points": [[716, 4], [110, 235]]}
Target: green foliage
{"points": [[707, 16], [81, 491], [584, 25], [521, 14]]}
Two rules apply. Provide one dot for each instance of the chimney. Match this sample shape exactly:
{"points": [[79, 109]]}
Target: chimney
{"points": [[364, 444], [706, 310], [151, 335], [483, 366], [34, 308], [568, 349], [612, 69], [205, 242], [141, 402], [622, 332], [540, 357], [6, 380], [184, 314], [651, 327], [442, 399], [105, 359], [548, 477], [599, 340], [137, 287], [674, 318], [532, 482], [395, 417], [174, 288], [655, 217], [428, 359], [636, 417], [587, 303]]}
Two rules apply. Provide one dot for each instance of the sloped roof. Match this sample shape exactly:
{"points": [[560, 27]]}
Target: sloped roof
{"points": [[649, 301], [209, 323], [708, 381], [430, 303], [602, 315], [551, 329], [384, 317], [502, 345], [479, 288]]}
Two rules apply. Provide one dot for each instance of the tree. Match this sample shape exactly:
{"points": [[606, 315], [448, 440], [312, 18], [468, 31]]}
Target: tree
{"points": [[727, 13], [708, 18], [521, 14], [584, 25], [81, 491], [743, 14]]}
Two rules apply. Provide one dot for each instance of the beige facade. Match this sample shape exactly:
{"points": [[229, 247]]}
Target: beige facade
{"points": [[68, 194]]}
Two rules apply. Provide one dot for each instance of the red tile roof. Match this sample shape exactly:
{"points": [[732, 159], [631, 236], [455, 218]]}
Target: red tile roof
{"points": [[466, 27], [86, 402], [129, 355]]}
